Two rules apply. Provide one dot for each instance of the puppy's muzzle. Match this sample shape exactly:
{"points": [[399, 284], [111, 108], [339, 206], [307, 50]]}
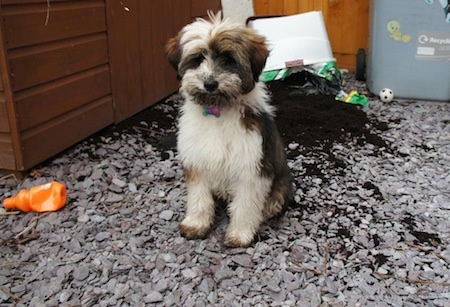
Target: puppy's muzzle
{"points": [[211, 85]]}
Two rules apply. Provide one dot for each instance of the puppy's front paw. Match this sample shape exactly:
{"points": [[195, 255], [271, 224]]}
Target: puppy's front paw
{"points": [[193, 232], [237, 241]]}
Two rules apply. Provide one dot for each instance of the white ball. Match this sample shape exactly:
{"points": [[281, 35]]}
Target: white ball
{"points": [[386, 95]]}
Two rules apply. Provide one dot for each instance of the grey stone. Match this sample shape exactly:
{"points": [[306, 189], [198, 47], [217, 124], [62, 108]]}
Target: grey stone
{"points": [[118, 182], [81, 273], [243, 260], [223, 273], [113, 198], [102, 236], [153, 297], [206, 285], [166, 215]]}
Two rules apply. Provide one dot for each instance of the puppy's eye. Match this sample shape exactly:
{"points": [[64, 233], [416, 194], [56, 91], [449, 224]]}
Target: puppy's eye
{"points": [[229, 61], [198, 59]]}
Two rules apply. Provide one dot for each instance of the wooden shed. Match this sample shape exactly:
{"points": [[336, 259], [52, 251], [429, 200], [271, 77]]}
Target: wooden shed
{"points": [[69, 68]]}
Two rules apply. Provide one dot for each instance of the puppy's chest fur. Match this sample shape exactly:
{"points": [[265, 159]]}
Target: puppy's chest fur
{"points": [[222, 148]]}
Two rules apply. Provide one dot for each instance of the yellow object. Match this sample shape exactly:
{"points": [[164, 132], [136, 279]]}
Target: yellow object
{"points": [[393, 27], [46, 197]]}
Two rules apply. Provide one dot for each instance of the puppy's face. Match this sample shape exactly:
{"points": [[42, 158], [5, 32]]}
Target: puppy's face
{"points": [[217, 60]]}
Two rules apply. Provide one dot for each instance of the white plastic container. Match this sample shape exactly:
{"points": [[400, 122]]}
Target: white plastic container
{"points": [[409, 49], [295, 40]]}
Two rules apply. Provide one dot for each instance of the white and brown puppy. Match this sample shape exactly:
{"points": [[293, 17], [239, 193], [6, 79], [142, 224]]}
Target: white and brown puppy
{"points": [[227, 141]]}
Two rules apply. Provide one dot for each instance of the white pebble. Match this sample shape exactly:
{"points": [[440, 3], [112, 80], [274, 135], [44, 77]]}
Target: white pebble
{"points": [[293, 146], [166, 215], [382, 271]]}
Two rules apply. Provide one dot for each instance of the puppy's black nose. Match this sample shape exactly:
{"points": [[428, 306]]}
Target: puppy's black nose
{"points": [[211, 85]]}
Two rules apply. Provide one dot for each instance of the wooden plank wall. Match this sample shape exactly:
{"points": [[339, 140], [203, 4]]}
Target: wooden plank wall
{"points": [[347, 23], [138, 32], [7, 158], [59, 73], [9, 140]]}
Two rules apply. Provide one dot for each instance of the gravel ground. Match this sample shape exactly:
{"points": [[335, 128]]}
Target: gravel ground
{"points": [[372, 231]]}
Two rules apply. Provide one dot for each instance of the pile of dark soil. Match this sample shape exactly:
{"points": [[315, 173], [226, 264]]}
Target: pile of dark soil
{"points": [[316, 121]]}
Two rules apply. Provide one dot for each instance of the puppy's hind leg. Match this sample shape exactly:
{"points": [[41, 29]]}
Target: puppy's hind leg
{"points": [[279, 197], [200, 207]]}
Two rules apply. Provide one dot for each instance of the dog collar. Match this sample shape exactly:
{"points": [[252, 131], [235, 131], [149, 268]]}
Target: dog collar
{"points": [[215, 110]]}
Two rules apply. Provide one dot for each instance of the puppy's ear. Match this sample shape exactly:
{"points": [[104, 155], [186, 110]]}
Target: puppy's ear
{"points": [[259, 55], [173, 51]]}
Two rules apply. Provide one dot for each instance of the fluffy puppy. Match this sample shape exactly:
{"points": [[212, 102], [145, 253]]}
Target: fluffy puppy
{"points": [[227, 141]]}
